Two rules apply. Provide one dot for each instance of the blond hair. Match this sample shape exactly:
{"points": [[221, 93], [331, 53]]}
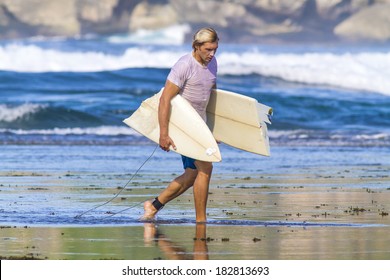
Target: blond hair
{"points": [[204, 35]]}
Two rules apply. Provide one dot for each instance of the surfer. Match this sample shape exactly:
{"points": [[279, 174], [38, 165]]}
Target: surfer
{"points": [[193, 76]]}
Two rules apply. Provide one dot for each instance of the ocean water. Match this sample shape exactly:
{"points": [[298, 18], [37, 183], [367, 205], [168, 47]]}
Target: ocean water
{"points": [[77, 92]]}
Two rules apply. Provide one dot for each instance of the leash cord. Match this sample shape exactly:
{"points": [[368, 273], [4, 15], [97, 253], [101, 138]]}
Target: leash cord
{"points": [[118, 193]]}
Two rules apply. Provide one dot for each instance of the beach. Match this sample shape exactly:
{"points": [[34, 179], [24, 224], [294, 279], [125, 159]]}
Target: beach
{"points": [[326, 211], [73, 176]]}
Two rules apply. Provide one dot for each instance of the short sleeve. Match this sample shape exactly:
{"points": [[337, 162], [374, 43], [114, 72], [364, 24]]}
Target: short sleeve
{"points": [[179, 74]]}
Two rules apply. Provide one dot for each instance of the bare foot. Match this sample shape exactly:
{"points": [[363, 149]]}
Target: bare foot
{"points": [[149, 211]]}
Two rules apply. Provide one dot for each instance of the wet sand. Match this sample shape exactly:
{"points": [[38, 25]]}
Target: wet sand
{"points": [[321, 214]]}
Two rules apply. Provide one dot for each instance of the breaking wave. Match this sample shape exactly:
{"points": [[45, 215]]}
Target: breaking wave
{"points": [[362, 71]]}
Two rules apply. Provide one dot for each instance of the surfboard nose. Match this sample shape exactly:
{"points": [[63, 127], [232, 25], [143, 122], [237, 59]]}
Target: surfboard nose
{"points": [[195, 141]]}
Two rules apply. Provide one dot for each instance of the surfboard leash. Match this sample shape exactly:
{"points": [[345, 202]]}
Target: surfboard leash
{"points": [[121, 190]]}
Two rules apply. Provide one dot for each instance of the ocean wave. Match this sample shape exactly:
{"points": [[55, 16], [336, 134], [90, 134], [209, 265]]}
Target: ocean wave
{"points": [[44, 116], [172, 35], [311, 134], [364, 71], [99, 131], [360, 71], [123, 135], [10, 114], [34, 59], [303, 137]]}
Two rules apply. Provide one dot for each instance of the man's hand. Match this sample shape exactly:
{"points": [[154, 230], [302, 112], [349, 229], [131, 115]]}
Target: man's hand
{"points": [[166, 142]]}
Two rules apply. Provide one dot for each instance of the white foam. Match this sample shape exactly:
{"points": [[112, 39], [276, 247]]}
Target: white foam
{"points": [[365, 71], [101, 131], [10, 114], [324, 137], [362, 71], [31, 58], [172, 35], [377, 136]]}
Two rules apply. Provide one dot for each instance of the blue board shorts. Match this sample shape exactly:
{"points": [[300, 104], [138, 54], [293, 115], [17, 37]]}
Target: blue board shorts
{"points": [[188, 162]]}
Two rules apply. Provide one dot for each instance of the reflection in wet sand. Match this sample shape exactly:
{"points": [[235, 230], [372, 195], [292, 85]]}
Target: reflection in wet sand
{"points": [[188, 241], [172, 250]]}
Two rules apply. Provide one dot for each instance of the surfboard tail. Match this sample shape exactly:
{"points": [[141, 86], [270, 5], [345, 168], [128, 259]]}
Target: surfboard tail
{"points": [[239, 121]]}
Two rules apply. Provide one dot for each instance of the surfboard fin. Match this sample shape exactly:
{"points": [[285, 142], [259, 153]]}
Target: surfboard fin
{"points": [[270, 115]]}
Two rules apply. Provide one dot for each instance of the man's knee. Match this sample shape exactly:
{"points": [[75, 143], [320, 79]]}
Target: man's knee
{"points": [[204, 167], [189, 177]]}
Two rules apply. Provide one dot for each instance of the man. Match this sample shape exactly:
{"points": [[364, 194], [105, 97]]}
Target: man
{"points": [[193, 76]]}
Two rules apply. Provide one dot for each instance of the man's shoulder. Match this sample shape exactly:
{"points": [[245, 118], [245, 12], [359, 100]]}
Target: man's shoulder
{"points": [[184, 63], [185, 58]]}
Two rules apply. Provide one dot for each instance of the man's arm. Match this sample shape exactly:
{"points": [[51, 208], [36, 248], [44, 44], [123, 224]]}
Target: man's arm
{"points": [[164, 109]]}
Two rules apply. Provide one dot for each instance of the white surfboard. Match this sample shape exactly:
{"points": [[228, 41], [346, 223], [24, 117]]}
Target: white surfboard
{"points": [[187, 129], [239, 121]]}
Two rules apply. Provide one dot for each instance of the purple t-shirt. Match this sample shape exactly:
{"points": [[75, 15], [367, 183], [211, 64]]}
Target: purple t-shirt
{"points": [[195, 81]]}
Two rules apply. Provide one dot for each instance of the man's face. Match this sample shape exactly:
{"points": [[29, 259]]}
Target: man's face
{"points": [[207, 51]]}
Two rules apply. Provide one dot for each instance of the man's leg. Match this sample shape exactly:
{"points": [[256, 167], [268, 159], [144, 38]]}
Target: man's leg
{"points": [[201, 189], [174, 189]]}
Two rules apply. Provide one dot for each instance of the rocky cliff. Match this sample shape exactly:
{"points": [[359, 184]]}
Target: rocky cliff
{"points": [[237, 21]]}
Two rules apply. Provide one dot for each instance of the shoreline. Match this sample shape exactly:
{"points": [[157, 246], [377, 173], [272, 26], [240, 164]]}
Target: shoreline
{"points": [[57, 198], [315, 204], [247, 220]]}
